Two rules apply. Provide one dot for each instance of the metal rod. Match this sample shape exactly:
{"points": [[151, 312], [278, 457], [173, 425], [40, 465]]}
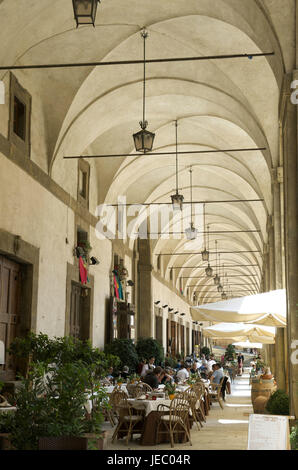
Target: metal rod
{"points": [[232, 275], [131, 62], [181, 152], [176, 133], [211, 253], [228, 201], [202, 267], [214, 232]]}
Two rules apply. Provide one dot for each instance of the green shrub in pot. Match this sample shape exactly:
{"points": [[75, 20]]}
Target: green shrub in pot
{"points": [[278, 403]]}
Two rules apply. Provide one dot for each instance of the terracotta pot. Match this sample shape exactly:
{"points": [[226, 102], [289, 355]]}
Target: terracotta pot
{"points": [[171, 396]]}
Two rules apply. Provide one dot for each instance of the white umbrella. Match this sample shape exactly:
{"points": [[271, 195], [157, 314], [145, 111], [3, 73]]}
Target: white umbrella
{"points": [[241, 332], [268, 309], [248, 345]]}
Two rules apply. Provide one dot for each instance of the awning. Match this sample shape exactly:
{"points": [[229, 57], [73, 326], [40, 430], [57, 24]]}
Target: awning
{"points": [[263, 309], [248, 345], [241, 332]]}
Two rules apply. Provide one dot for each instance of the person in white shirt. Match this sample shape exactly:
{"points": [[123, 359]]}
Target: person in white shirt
{"points": [[183, 373], [210, 363], [148, 367]]}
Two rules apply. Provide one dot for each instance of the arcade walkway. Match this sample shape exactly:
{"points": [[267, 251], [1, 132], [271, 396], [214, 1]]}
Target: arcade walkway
{"points": [[225, 429]]}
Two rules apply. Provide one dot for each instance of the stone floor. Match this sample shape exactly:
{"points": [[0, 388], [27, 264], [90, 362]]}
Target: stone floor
{"points": [[225, 429]]}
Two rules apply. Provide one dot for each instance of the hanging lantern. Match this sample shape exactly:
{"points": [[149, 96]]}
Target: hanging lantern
{"points": [[191, 232], [224, 296], [143, 139], [177, 199], [205, 255], [209, 271], [85, 11], [216, 280], [219, 288]]}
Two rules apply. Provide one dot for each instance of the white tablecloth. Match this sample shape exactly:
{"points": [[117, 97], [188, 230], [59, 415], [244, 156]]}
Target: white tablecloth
{"points": [[7, 409], [148, 405]]}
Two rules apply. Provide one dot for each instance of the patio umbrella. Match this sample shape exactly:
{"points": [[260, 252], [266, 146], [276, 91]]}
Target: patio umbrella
{"points": [[241, 332], [248, 345], [268, 309]]}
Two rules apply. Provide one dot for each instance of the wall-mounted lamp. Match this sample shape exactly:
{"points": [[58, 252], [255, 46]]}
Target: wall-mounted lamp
{"points": [[130, 283], [158, 302], [164, 306], [170, 309], [175, 313], [85, 11], [93, 260], [182, 314]]}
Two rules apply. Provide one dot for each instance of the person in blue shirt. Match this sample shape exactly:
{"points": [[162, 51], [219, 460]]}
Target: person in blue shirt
{"points": [[217, 374]]}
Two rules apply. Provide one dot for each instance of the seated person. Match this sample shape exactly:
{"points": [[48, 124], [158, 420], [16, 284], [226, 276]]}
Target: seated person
{"points": [[168, 376], [183, 373], [125, 372], [195, 369], [217, 374], [153, 378], [109, 377]]}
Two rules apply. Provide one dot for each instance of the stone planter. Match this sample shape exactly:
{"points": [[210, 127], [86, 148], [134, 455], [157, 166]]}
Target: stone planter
{"points": [[72, 443]]}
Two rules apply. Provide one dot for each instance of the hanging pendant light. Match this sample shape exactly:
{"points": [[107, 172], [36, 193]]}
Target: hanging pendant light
{"points": [[85, 11], [191, 232], [177, 199], [209, 271], [219, 287], [216, 278], [143, 139], [205, 252], [224, 296]]}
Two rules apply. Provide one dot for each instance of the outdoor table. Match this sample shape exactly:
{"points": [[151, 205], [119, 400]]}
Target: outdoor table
{"points": [[148, 405], [148, 436]]}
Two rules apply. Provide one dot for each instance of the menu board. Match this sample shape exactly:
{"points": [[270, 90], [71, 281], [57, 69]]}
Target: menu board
{"points": [[268, 432]]}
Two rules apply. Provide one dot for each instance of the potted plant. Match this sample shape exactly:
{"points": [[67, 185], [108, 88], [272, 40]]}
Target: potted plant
{"points": [[171, 389], [51, 402], [278, 403]]}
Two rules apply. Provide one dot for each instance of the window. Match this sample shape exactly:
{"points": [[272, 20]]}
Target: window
{"points": [[20, 114], [171, 274], [158, 262], [83, 183], [19, 118]]}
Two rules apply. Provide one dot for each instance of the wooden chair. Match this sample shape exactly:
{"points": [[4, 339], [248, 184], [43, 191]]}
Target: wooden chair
{"points": [[217, 391], [126, 419], [176, 421]]}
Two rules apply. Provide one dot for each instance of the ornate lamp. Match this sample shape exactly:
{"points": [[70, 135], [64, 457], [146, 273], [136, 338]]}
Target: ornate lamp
{"points": [[224, 296], [143, 139], [209, 271], [85, 11], [205, 252], [191, 232], [177, 199], [216, 277]]}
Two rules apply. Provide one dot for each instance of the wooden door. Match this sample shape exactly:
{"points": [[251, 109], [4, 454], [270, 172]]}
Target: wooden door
{"points": [[182, 347], [10, 284], [79, 312], [158, 329]]}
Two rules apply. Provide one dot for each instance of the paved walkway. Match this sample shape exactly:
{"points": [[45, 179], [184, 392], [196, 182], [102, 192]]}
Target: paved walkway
{"points": [[225, 429]]}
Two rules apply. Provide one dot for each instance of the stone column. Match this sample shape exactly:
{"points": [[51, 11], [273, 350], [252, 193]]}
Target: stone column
{"points": [[145, 299], [280, 365], [289, 121]]}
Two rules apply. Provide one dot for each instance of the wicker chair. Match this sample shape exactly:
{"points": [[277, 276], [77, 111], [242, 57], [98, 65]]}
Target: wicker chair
{"points": [[217, 391], [143, 389], [191, 396], [126, 419], [176, 421], [200, 391]]}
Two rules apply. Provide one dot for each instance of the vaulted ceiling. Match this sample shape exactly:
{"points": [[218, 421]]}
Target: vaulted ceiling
{"points": [[219, 104]]}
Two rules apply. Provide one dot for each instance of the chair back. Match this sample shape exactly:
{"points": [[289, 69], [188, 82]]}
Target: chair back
{"points": [[142, 389], [179, 408]]}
